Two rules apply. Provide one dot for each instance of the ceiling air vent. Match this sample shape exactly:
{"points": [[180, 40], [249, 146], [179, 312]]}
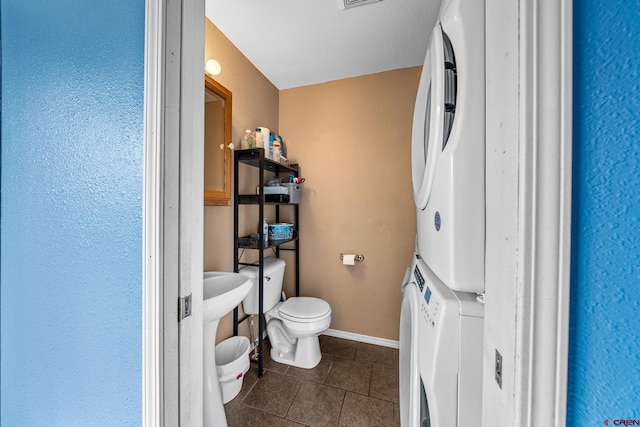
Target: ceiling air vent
{"points": [[348, 4]]}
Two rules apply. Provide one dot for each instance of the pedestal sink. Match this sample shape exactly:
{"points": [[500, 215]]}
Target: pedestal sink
{"points": [[222, 293]]}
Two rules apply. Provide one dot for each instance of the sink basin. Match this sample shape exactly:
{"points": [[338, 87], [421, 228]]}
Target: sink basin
{"points": [[222, 292]]}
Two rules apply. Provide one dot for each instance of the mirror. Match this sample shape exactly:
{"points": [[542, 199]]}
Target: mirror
{"points": [[217, 137]]}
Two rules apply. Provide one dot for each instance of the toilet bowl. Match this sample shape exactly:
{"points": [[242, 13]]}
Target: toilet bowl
{"points": [[293, 326]]}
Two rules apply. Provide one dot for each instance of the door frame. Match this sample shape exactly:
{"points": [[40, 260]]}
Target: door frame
{"points": [[545, 211], [541, 44], [173, 212], [529, 145]]}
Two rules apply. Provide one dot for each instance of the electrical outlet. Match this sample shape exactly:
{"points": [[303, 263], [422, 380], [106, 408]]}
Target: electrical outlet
{"points": [[498, 374]]}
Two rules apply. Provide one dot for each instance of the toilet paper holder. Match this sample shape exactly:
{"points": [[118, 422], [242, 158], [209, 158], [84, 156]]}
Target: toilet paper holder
{"points": [[358, 257]]}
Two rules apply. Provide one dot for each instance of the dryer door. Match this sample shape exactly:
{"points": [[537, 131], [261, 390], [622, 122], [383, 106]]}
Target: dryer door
{"points": [[428, 120], [409, 372]]}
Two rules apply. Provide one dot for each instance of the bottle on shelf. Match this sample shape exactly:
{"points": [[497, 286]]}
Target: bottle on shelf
{"points": [[259, 139], [265, 230], [248, 140], [264, 138], [276, 150]]}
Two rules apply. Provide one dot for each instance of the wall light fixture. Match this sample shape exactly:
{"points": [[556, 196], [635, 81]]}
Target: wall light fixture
{"points": [[212, 67]]}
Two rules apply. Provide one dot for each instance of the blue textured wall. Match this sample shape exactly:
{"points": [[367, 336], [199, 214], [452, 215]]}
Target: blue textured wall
{"points": [[604, 353], [72, 167]]}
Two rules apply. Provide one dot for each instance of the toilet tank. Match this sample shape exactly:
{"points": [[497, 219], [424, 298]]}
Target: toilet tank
{"points": [[272, 285]]}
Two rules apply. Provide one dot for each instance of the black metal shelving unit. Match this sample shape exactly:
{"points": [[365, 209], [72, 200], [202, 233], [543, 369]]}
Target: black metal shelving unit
{"points": [[256, 157]]}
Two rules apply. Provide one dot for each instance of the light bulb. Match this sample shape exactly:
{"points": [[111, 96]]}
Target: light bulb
{"points": [[213, 67]]}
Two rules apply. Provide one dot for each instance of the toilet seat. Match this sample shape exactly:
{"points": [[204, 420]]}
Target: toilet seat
{"points": [[304, 309]]}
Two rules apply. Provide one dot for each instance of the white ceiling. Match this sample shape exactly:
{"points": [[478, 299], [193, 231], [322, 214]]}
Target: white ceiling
{"points": [[302, 42]]}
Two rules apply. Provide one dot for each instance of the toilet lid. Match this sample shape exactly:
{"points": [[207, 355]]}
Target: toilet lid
{"points": [[304, 308]]}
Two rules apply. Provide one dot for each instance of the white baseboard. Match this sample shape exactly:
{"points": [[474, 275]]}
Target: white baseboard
{"points": [[362, 338]]}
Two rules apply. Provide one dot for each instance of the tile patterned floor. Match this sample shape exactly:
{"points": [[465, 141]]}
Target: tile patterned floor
{"points": [[354, 385]]}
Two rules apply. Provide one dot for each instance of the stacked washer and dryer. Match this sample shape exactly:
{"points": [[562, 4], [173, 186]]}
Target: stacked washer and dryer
{"points": [[441, 322]]}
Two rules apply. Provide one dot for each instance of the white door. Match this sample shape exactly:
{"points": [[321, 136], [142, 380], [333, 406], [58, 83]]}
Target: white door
{"points": [[173, 217]]}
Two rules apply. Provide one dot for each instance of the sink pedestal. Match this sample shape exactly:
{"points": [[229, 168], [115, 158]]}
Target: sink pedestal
{"points": [[214, 415], [222, 292]]}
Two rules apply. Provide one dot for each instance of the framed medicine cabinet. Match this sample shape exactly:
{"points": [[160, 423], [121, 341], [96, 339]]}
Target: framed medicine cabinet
{"points": [[217, 143]]}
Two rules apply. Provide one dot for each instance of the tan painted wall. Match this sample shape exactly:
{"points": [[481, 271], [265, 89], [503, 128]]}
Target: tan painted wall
{"points": [[255, 103], [352, 138]]}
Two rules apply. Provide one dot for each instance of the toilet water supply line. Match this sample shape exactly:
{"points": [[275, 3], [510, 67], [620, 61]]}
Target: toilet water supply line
{"points": [[254, 341]]}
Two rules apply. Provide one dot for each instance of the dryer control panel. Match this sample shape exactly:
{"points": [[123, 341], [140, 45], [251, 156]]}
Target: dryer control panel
{"points": [[430, 305]]}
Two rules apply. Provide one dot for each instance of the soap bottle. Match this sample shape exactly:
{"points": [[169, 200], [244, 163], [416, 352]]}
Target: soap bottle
{"points": [[248, 141], [265, 230]]}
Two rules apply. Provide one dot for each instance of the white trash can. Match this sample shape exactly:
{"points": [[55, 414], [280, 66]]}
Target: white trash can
{"points": [[232, 362]]}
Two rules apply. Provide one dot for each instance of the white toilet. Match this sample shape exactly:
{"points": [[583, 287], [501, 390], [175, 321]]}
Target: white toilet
{"points": [[294, 325]]}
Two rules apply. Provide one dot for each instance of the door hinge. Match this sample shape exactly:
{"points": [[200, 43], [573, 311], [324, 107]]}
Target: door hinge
{"points": [[184, 307]]}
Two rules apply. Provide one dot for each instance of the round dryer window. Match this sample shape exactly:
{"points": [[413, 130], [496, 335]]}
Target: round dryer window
{"points": [[428, 120]]}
